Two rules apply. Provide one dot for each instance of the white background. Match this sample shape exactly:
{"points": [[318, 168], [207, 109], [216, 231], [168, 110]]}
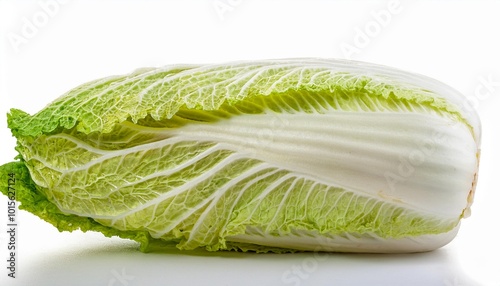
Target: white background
{"points": [[50, 47]]}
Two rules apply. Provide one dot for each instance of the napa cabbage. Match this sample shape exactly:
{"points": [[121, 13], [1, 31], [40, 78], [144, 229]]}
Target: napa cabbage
{"points": [[274, 155]]}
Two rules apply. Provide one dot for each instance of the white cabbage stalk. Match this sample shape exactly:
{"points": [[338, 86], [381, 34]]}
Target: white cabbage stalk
{"points": [[278, 155]]}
